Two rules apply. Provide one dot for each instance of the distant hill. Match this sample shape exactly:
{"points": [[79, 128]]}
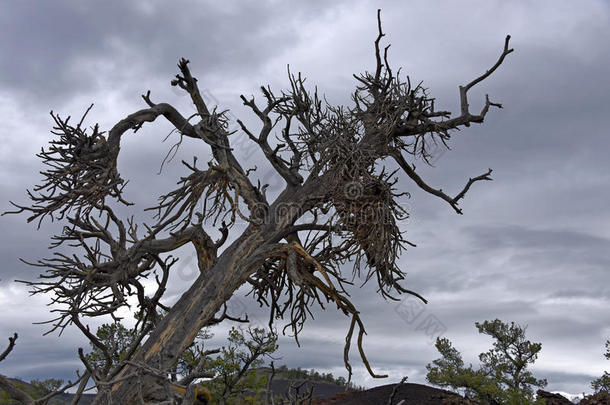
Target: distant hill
{"points": [[279, 386], [298, 374], [61, 399], [323, 390], [324, 385], [412, 394], [325, 393], [418, 394]]}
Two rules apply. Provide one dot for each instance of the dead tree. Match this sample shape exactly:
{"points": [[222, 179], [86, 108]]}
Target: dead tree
{"points": [[246, 351], [339, 206], [395, 391], [294, 395], [269, 400]]}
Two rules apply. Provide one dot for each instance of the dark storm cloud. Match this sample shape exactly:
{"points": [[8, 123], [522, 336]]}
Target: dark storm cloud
{"points": [[547, 132], [24, 243], [26, 362], [34, 355], [516, 258], [534, 246], [52, 51]]}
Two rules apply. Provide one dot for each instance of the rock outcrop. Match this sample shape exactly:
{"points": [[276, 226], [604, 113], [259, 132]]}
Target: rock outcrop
{"points": [[553, 399]]}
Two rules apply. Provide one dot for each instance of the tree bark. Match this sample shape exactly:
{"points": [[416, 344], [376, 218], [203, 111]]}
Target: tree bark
{"points": [[213, 288], [195, 308]]}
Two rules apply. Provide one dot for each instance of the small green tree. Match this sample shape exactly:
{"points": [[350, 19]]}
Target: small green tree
{"points": [[236, 379], [502, 378], [196, 360], [40, 388], [603, 382], [449, 372], [508, 360], [117, 339]]}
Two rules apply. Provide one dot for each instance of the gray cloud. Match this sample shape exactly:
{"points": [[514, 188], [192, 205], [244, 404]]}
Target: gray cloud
{"points": [[73, 44]]}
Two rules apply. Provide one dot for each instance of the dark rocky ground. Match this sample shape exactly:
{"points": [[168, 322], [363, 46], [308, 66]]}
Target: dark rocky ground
{"points": [[411, 394], [418, 394]]}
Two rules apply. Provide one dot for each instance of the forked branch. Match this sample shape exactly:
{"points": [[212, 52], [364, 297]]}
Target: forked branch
{"points": [[453, 201]]}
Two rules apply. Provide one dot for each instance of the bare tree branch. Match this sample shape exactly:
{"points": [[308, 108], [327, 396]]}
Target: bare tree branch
{"points": [[11, 345], [453, 201]]}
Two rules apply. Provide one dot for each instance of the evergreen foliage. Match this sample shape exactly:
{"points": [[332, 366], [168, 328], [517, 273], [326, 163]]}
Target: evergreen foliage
{"points": [[502, 377], [603, 382]]}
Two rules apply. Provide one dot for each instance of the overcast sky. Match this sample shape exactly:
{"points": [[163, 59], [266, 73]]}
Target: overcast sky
{"points": [[531, 247]]}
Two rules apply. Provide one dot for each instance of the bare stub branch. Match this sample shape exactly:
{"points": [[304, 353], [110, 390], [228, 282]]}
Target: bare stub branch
{"points": [[422, 123], [395, 390], [11, 345], [464, 89]]}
